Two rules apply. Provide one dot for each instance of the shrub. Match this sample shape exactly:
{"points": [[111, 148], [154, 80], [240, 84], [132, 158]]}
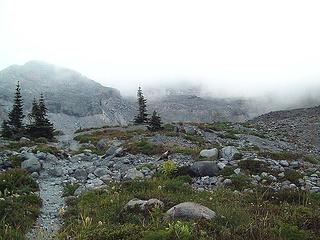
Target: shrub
{"points": [[41, 140], [293, 176], [312, 159], [253, 166], [15, 161], [169, 168], [227, 171], [69, 189], [292, 232]]}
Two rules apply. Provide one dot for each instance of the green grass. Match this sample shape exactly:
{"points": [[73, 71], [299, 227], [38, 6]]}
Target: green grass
{"points": [[19, 207], [312, 159], [69, 189], [110, 134], [46, 149], [260, 215], [146, 147], [15, 146], [218, 126]]}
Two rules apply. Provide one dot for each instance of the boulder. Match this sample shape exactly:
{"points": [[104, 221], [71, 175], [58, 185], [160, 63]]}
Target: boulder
{"points": [[106, 178], [284, 163], [92, 183], [79, 190], [190, 130], [111, 151], [132, 174], [210, 153], [31, 165], [99, 172], [51, 158], [143, 204], [204, 168], [190, 210], [24, 140], [229, 153], [80, 174], [25, 155], [221, 165], [56, 172]]}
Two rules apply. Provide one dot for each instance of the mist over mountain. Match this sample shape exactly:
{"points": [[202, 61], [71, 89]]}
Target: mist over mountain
{"points": [[75, 101]]}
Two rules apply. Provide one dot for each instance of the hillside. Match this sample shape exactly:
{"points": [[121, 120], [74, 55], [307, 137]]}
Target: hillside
{"points": [[298, 126], [73, 100], [188, 181]]}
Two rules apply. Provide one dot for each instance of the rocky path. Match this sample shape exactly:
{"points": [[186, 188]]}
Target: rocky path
{"points": [[51, 191], [49, 221]]}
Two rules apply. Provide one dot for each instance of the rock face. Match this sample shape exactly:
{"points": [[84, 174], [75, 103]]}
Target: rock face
{"points": [[204, 168], [190, 210], [73, 100]]}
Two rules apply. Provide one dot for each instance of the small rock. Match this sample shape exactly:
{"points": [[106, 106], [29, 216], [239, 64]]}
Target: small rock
{"points": [[80, 174], [237, 171], [34, 175], [24, 140], [284, 163], [221, 165], [132, 174], [229, 152], [143, 204]]}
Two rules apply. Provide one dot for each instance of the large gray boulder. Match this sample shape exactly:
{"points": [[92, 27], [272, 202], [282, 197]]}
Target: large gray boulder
{"points": [[229, 152], [132, 174], [31, 165], [190, 210], [210, 153], [204, 168]]}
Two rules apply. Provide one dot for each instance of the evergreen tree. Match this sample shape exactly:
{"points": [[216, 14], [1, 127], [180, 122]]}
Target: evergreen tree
{"points": [[40, 125], [142, 116], [34, 112], [16, 115], [6, 130], [155, 122]]}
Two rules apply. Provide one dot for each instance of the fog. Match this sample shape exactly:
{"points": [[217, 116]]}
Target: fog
{"points": [[224, 48]]}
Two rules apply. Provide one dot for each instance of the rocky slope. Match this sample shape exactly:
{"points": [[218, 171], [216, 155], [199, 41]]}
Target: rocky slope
{"points": [[73, 100], [298, 126], [197, 109]]}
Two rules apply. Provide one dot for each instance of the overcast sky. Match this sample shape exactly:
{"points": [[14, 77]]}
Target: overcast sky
{"points": [[230, 47]]}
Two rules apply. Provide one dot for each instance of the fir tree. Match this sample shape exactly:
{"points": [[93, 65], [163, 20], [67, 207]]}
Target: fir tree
{"points": [[34, 112], [142, 116], [155, 122], [6, 130], [16, 115], [40, 125]]}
